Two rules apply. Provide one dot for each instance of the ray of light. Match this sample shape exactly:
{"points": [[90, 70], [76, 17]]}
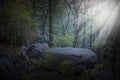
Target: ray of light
{"points": [[105, 14]]}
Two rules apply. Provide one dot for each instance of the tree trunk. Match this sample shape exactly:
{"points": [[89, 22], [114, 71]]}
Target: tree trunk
{"points": [[75, 40], [99, 54], [116, 50], [84, 35], [116, 56], [91, 30], [50, 23]]}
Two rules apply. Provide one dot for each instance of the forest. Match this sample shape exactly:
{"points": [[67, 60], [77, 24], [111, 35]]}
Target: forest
{"points": [[59, 39]]}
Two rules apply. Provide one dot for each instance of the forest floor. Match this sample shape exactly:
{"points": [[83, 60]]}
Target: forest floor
{"points": [[22, 70]]}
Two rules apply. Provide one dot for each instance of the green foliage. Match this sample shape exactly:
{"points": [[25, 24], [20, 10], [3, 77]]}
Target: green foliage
{"points": [[17, 25], [85, 75], [42, 62], [66, 68], [108, 52], [63, 40], [98, 73]]}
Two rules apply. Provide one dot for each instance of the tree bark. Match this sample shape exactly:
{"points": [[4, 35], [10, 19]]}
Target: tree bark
{"points": [[50, 23], [91, 30], [84, 35]]}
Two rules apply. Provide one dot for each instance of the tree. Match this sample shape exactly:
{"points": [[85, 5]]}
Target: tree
{"points": [[17, 25], [116, 45], [75, 6], [50, 23], [40, 12]]}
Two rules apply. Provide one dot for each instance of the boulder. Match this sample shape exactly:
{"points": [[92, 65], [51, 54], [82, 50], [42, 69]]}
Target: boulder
{"points": [[23, 51], [36, 50], [78, 56], [5, 65]]}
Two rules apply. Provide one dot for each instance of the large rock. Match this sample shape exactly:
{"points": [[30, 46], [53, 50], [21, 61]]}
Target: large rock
{"points": [[78, 56], [5, 65], [36, 50]]}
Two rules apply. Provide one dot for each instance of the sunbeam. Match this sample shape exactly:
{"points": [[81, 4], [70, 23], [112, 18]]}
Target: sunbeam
{"points": [[105, 14]]}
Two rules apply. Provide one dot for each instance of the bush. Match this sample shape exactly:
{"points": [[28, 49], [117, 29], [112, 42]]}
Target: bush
{"points": [[63, 40], [17, 25]]}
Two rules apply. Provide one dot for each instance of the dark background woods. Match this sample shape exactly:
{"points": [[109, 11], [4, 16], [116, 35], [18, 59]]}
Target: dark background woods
{"points": [[23, 22]]}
